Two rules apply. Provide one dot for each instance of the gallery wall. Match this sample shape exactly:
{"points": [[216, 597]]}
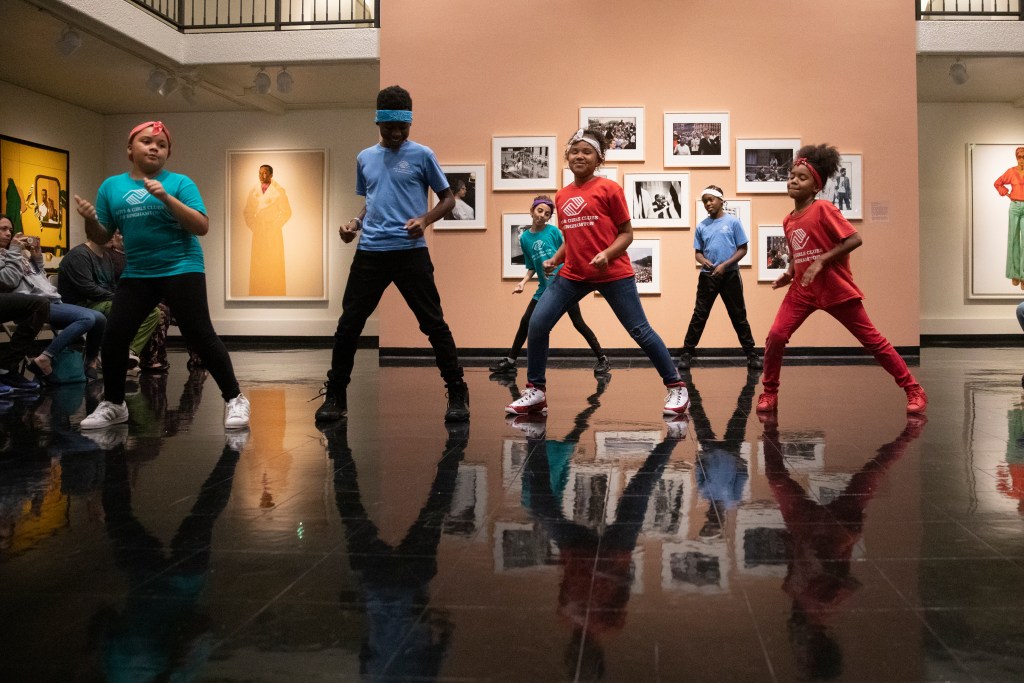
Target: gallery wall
{"points": [[946, 130], [525, 68]]}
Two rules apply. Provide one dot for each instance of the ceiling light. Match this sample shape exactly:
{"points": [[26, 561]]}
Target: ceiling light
{"points": [[170, 85], [69, 42], [261, 82], [284, 81], [156, 79], [958, 72]]}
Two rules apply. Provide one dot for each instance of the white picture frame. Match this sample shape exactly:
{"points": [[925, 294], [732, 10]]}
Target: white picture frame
{"points": [[680, 126], [524, 162], [513, 264], [614, 119], [741, 208], [658, 200], [852, 167], [763, 164], [989, 222], [645, 255], [771, 238], [475, 178], [609, 172]]}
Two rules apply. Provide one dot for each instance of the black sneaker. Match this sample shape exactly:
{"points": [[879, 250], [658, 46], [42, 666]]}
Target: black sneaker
{"points": [[458, 403], [685, 359], [602, 366], [334, 407], [503, 365], [754, 362]]}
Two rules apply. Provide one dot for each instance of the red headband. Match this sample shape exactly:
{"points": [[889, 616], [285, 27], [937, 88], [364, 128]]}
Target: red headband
{"points": [[802, 161], [158, 127]]}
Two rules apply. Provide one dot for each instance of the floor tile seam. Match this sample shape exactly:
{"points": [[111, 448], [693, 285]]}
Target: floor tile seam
{"points": [[760, 635]]}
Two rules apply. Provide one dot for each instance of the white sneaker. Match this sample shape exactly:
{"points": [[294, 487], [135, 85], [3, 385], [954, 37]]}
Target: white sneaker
{"points": [[109, 438], [106, 414], [236, 413], [677, 425], [532, 400], [236, 440], [532, 425], [677, 400]]}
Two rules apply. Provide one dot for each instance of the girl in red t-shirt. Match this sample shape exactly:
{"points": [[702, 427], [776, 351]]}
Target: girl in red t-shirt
{"points": [[820, 240], [594, 220]]}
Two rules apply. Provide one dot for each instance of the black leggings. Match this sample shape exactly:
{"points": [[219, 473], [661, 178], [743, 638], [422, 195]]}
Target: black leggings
{"points": [[577, 321], [185, 295]]}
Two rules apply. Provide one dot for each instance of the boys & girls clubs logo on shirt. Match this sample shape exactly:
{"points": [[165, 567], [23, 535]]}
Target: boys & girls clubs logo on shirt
{"points": [[799, 239], [573, 206], [403, 166], [135, 197]]}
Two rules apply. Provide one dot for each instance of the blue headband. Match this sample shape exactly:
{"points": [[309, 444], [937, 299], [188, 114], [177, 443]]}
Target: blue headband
{"points": [[385, 115]]}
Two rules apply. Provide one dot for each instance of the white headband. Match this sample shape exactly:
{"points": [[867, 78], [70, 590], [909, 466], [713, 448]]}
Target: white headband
{"points": [[713, 192], [578, 136]]}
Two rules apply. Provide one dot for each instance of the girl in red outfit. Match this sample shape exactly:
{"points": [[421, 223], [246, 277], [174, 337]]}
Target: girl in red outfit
{"points": [[1014, 177], [820, 240]]}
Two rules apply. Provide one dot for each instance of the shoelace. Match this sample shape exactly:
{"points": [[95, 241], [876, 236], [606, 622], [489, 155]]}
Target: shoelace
{"points": [[106, 410], [675, 395], [529, 395], [323, 392], [236, 408]]}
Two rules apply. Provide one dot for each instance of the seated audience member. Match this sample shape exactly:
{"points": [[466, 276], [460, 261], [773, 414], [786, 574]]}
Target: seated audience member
{"points": [[29, 313], [21, 272], [88, 276]]}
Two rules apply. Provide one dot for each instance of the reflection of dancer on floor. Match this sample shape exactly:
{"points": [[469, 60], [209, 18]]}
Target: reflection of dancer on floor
{"points": [[540, 243], [160, 633], [1014, 177], [405, 638], [597, 564], [820, 241], [1010, 476], [721, 470], [821, 542]]}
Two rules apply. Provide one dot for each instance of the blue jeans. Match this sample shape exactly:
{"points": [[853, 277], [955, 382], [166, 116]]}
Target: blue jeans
{"points": [[625, 303], [74, 322]]}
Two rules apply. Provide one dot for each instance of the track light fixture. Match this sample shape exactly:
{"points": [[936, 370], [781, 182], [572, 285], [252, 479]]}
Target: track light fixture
{"points": [[958, 72], [170, 85], [285, 81], [156, 79], [69, 42], [261, 82]]}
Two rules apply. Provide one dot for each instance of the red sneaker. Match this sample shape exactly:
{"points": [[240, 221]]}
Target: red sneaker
{"points": [[917, 400], [767, 403]]}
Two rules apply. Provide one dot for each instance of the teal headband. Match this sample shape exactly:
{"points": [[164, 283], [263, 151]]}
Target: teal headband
{"points": [[385, 115]]}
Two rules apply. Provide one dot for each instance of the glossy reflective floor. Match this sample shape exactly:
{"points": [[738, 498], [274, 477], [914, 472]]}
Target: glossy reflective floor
{"points": [[843, 542]]}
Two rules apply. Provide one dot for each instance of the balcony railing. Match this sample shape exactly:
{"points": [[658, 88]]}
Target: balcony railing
{"points": [[970, 9], [263, 15]]}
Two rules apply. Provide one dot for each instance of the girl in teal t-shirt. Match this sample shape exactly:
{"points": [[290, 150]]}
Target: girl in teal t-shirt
{"points": [[540, 243]]}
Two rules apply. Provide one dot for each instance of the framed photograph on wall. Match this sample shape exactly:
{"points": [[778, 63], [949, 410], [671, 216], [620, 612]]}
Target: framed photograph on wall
{"points": [[468, 184], [845, 189], [525, 163], [658, 200], [35, 195], [623, 128], [513, 263], [276, 225], [772, 252], [609, 172], [695, 140], [645, 256], [763, 165], [989, 224], [734, 207]]}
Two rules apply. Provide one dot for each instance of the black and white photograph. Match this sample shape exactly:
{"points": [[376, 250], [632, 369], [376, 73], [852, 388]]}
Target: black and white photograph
{"points": [[669, 508], [761, 544], [468, 184], [697, 140], [521, 546], [645, 255], [469, 502], [623, 129], [740, 208], [525, 163], [513, 263], [658, 200], [764, 164], [803, 450], [772, 252], [696, 566], [844, 189]]}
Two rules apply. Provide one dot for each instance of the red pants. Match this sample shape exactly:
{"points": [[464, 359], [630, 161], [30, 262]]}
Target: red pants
{"points": [[852, 315]]}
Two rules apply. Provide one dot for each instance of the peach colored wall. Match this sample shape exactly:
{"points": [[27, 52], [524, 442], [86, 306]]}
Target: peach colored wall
{"points": [[806, 69]]}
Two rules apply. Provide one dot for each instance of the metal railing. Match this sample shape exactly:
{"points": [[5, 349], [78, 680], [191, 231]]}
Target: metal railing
{"points": [[262, 15], [970, 9]]}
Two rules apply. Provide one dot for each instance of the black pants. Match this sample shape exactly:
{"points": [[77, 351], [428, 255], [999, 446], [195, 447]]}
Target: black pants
{"points": [[577, 321], [30, 313], [730, 287], [413, 273], [185, 295]]}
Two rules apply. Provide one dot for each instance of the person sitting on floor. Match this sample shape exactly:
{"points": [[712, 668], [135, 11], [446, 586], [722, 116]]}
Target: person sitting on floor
{"points": [[88, 277]]}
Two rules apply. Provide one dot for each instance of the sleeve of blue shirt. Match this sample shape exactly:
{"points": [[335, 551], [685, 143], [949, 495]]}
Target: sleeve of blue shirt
{"points": [[698, 238], [739, 235], [103, 215], [527, 253], [435, 176], [360, 179], [188, 194]]}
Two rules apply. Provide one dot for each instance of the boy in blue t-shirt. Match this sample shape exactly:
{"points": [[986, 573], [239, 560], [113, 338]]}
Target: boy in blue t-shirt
{"points": [[719, 243], [394, 177], [540, 243]]}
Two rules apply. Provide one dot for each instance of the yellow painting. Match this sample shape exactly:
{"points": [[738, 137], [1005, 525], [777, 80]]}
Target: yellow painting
{"points": [[35, 196]]}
